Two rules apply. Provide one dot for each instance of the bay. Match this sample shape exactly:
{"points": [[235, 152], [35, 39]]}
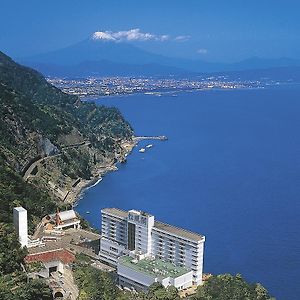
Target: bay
{"points": [[230, 170]]}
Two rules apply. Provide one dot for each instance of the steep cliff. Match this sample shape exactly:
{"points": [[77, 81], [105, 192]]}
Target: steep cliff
{"points": [[55, 142]]}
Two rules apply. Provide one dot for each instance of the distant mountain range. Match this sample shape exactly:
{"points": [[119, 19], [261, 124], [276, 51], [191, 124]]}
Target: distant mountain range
{"points": [[107, 58], [106, 68]]}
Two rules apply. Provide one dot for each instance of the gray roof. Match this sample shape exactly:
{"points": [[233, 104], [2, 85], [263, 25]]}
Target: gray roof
{"points": [[115, 212], [172, 230], [178, 231], [67, 215]]}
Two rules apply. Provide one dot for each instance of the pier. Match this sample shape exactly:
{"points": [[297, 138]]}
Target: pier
{"points": [[143, 138]]}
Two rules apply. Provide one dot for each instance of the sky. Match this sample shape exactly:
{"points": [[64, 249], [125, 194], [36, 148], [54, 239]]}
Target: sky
{"points": [[210, 30]]}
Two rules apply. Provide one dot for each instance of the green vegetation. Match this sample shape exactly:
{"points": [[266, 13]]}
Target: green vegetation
{"points": [[15, 287], [92, 283], [33, 111], [11, 255], [34, 114], [229, 287], [76, 164], [37, 119], [15, 192], [97, 285], [27, 97], [14, 284]]}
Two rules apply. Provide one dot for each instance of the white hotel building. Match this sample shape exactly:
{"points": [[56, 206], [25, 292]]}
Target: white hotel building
{"points": [[146, 251]]}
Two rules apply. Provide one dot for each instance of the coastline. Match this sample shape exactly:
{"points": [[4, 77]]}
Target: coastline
{"points": [[75, 194]]}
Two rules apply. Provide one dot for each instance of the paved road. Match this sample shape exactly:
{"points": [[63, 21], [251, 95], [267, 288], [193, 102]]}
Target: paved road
{"points": [[38, 162], [84, 143]]}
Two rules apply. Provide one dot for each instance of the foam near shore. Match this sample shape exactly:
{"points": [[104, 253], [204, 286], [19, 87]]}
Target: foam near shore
{"points": [[74, 195]]}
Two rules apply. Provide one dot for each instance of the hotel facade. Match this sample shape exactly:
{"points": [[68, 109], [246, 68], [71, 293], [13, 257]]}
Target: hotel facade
{"points": [[146, 251]]}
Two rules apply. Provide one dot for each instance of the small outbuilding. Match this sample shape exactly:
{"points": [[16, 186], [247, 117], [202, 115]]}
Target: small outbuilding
{"points": [[63, 219]]}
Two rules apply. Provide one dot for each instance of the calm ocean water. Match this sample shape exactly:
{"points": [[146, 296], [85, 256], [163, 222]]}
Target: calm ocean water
{"points": [[230, 170]]}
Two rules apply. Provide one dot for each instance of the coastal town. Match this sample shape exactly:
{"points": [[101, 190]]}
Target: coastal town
{"points": [[93, 87]]}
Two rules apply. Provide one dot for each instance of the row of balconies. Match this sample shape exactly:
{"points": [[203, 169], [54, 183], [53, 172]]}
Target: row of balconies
{"points": [[170, 248], [174, 238], [114, 227], [180, 252], [114, 236], [180, 259], [113, 230], [171, 252], [107, 218], [171, 259]]}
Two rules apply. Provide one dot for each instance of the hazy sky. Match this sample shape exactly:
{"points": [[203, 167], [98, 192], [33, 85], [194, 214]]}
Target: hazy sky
{"points": [[205, 29]]}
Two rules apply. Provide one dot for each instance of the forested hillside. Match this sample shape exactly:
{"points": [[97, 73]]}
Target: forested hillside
{"points": [[37, 120], [64, 139]]}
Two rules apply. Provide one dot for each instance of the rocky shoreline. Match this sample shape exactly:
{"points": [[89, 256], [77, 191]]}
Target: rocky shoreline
{"points": [[69, 190], [76, 192]]}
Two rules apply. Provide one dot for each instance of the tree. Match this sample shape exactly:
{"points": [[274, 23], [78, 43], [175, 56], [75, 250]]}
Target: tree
{"points": [[11, 255], [229, 287], [36, 289]]}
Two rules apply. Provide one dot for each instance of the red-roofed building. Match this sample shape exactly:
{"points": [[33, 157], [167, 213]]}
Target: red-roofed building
{"points": [[53, 260]]}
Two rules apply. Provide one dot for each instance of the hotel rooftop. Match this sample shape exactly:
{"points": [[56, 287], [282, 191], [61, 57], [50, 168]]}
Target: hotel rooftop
{"points": [[186, 234], [154, 267]]}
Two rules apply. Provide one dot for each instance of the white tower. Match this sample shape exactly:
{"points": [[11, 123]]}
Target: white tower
{"points": [[20, 222]]}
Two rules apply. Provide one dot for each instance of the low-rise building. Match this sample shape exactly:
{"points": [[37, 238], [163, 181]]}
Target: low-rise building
{"points": [[140, 274], [51, 260], [62, 220]]}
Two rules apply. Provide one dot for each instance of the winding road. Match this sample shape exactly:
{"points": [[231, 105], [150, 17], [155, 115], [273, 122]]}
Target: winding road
{"points": [[36, 163]]}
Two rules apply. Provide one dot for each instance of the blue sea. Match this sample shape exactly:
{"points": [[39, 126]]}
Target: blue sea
{"points": [[230, 171]]}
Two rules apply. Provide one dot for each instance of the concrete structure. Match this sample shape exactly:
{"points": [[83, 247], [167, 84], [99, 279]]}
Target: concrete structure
{"points": [[136, 234], [55, 268], [52, 260], [140, 274], [20, 223]]}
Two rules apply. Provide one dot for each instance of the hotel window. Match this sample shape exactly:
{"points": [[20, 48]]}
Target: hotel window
{"points": [[113, 249]]}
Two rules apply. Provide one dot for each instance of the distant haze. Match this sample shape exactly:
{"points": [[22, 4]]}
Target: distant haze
{"points": [[211, 31], [108, 53]]}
